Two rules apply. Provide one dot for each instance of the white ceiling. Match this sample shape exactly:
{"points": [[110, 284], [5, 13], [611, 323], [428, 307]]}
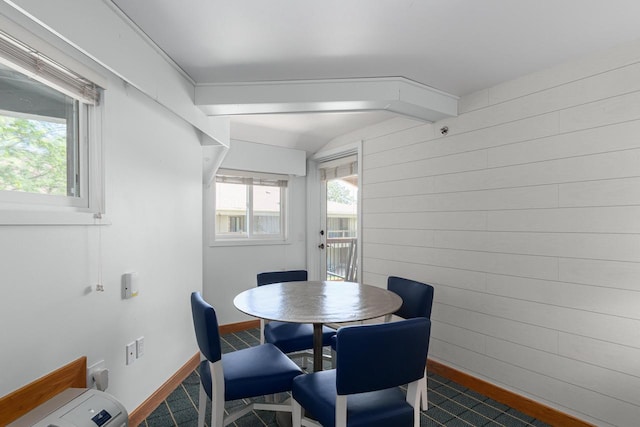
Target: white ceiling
{"points": [[308, 132], [457, 46]]}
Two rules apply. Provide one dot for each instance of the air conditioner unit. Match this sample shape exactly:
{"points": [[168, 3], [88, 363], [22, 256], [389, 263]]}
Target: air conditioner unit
{"points": [[76, 407]]}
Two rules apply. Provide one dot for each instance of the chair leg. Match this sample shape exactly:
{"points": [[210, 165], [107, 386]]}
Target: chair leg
{"points": [[341, 411], [424, 402], [217, 400], [414, 395], [202, 406], [333, 358], [296, 413]]}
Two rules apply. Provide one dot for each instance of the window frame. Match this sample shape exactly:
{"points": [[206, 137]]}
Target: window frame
{"points": [[87, 208], [250, 238]]}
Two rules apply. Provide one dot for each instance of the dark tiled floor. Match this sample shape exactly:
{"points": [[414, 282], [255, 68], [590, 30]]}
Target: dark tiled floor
{"points": [[450, 404]]}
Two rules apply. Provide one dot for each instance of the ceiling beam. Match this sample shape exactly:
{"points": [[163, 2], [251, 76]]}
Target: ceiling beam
{"points": [[395, 94]]}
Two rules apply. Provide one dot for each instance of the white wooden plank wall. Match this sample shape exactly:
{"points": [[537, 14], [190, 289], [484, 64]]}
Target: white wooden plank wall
{"points": [[526, 218]]}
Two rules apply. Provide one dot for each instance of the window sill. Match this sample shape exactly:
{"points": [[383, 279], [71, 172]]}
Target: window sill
{"points": [[18, 217], [265, 242]]}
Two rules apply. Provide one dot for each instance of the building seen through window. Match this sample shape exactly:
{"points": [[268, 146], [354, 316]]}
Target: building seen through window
{"points": [[250, 207]]}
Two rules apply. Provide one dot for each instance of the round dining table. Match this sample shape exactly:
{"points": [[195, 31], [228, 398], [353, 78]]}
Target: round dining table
{"points": [[318, 303]]}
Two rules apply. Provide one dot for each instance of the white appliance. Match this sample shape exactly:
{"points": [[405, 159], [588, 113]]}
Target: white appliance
{"points": [[76, 407]]}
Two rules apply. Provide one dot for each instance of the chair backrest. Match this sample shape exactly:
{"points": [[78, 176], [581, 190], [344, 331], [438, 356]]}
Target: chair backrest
{"points": [[400, 347], [205, 323], [417, 297], [282, 276]]}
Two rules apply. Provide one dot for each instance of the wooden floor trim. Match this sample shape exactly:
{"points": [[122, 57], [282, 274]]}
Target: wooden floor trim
{"points": [[16, 404], [523, 404], [148, 406], [240, 326]]}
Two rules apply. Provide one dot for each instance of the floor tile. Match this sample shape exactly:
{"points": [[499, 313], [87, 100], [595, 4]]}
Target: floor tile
{"points": [[438, 414], [488, 411], [457, 387], [517, 414], [179, 400], [186, 418], [193, 390], [447, 391], [465, 400], [497, 405], [479, 397], [428, 422], [457, 422], [509, 421], [435, 398], [474, 418], [160, 417], [452, 407]]}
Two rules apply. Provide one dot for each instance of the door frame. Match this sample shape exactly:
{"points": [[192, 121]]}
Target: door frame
{"points": [[314, 203]]}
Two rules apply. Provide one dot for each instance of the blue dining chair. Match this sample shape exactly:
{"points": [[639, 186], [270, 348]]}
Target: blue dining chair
{"points": [[417, 297], [295, 339], [373, 361], [417, 301], [242, 374]]}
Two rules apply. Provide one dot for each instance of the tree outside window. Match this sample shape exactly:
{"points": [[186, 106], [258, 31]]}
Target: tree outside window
{"points": [[33, 156]]}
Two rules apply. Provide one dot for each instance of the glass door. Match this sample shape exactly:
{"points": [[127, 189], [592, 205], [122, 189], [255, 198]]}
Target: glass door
{"points": [[339, 220]]}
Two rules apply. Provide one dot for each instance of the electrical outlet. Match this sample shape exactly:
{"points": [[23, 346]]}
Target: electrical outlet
{"points": [[131, 353], [99, 365], [139, 347]]}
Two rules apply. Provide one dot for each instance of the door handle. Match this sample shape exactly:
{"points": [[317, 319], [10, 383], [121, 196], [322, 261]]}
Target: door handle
{"points": [[321, 245]]}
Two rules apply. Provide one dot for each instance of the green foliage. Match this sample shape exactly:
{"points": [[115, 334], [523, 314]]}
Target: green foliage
{"points": [[340, 192], [33, 156]]}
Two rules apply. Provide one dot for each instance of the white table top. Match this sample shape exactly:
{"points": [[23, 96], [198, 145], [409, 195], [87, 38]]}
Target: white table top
{"points": [[317, 302]]}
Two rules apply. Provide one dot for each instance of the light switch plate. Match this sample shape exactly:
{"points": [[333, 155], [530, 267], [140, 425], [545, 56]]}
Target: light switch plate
{"points": [[139, 347]]}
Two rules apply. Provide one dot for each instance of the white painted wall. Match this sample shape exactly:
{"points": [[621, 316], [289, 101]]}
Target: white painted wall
{"points": [[50, 315], [153, 200], [526, 219]]}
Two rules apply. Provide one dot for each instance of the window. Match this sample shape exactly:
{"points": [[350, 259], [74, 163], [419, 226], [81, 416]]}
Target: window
{"points": [[249, 206], [47, 115]]}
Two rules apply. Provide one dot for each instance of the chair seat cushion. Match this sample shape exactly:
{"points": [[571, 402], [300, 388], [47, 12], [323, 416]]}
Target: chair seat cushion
{"points": [[253, 371], [290, 337], [317, 394]]}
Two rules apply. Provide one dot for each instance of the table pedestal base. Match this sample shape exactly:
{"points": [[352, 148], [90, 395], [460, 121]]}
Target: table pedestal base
{"points": [[317, 347]]}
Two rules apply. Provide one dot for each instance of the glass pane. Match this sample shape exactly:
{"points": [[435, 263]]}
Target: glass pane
{"points": [[231, 209], [342, 226], [38, 137], [266, 210]]}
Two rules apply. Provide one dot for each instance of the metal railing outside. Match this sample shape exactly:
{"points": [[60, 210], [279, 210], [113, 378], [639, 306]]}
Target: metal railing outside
{"points": [[341, 259]]}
